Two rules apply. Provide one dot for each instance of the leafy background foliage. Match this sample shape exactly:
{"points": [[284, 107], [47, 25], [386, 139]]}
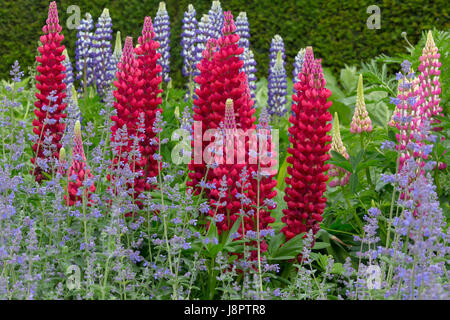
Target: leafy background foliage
{"points": [[336, 29]]}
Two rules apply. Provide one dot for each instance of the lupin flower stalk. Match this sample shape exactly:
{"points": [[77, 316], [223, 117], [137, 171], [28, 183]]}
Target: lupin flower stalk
{"points": [[407, 117], [84, 63], [162, 31], [102, 53], [341, 176], [243, 30], [128, 77], [188, 51], [220, 79], [298, 64], [50, 105], [149, 101], [277, 87], [188, 36], [216, 17], [306, 178], [361, 121], [80, 176], [68, 80], [204, 33], [249, 68], [430, 87]]}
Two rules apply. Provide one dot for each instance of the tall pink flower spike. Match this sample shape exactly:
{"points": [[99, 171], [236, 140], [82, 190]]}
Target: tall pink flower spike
{"points": [[430, 87]]}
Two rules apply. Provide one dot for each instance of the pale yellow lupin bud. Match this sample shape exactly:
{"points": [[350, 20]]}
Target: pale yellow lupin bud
{"points": [[62, 155], [77, 128], [162, 7], [361, 120], [279, 61], [215, 5], [177, 112], [66, 54], [74, 95], [205, 19], [430, 46], [118, 45], [228, 104], [105, 12], [243, 14], [190, 8], [336, 140]]}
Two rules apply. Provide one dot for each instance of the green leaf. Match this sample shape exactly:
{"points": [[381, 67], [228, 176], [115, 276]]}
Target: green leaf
{"points": [[366, 164], [233, 230], [291, 248], [349, 79], [282, 175], [337, 156], [275, 243], [353, 182], [320, 245]]}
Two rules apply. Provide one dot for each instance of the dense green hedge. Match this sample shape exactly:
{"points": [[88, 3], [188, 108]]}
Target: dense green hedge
{"points": [[335, 28]]}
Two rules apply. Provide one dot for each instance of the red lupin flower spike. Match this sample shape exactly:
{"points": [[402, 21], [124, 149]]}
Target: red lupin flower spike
{"points": [[148, 99], [49, 111], [220, 79], [309, 137], [128, 114]]}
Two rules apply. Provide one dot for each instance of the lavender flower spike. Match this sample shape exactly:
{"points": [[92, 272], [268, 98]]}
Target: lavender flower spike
{"points": [[102, 53], [162, 31], [243, 30], [83, 61], [277, 88]]}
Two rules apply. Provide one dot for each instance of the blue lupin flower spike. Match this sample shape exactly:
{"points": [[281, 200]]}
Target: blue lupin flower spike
{"points": [[162, 31], [102, 53], [277, 88], [83, 60], [216, 19], [243, 30]]}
